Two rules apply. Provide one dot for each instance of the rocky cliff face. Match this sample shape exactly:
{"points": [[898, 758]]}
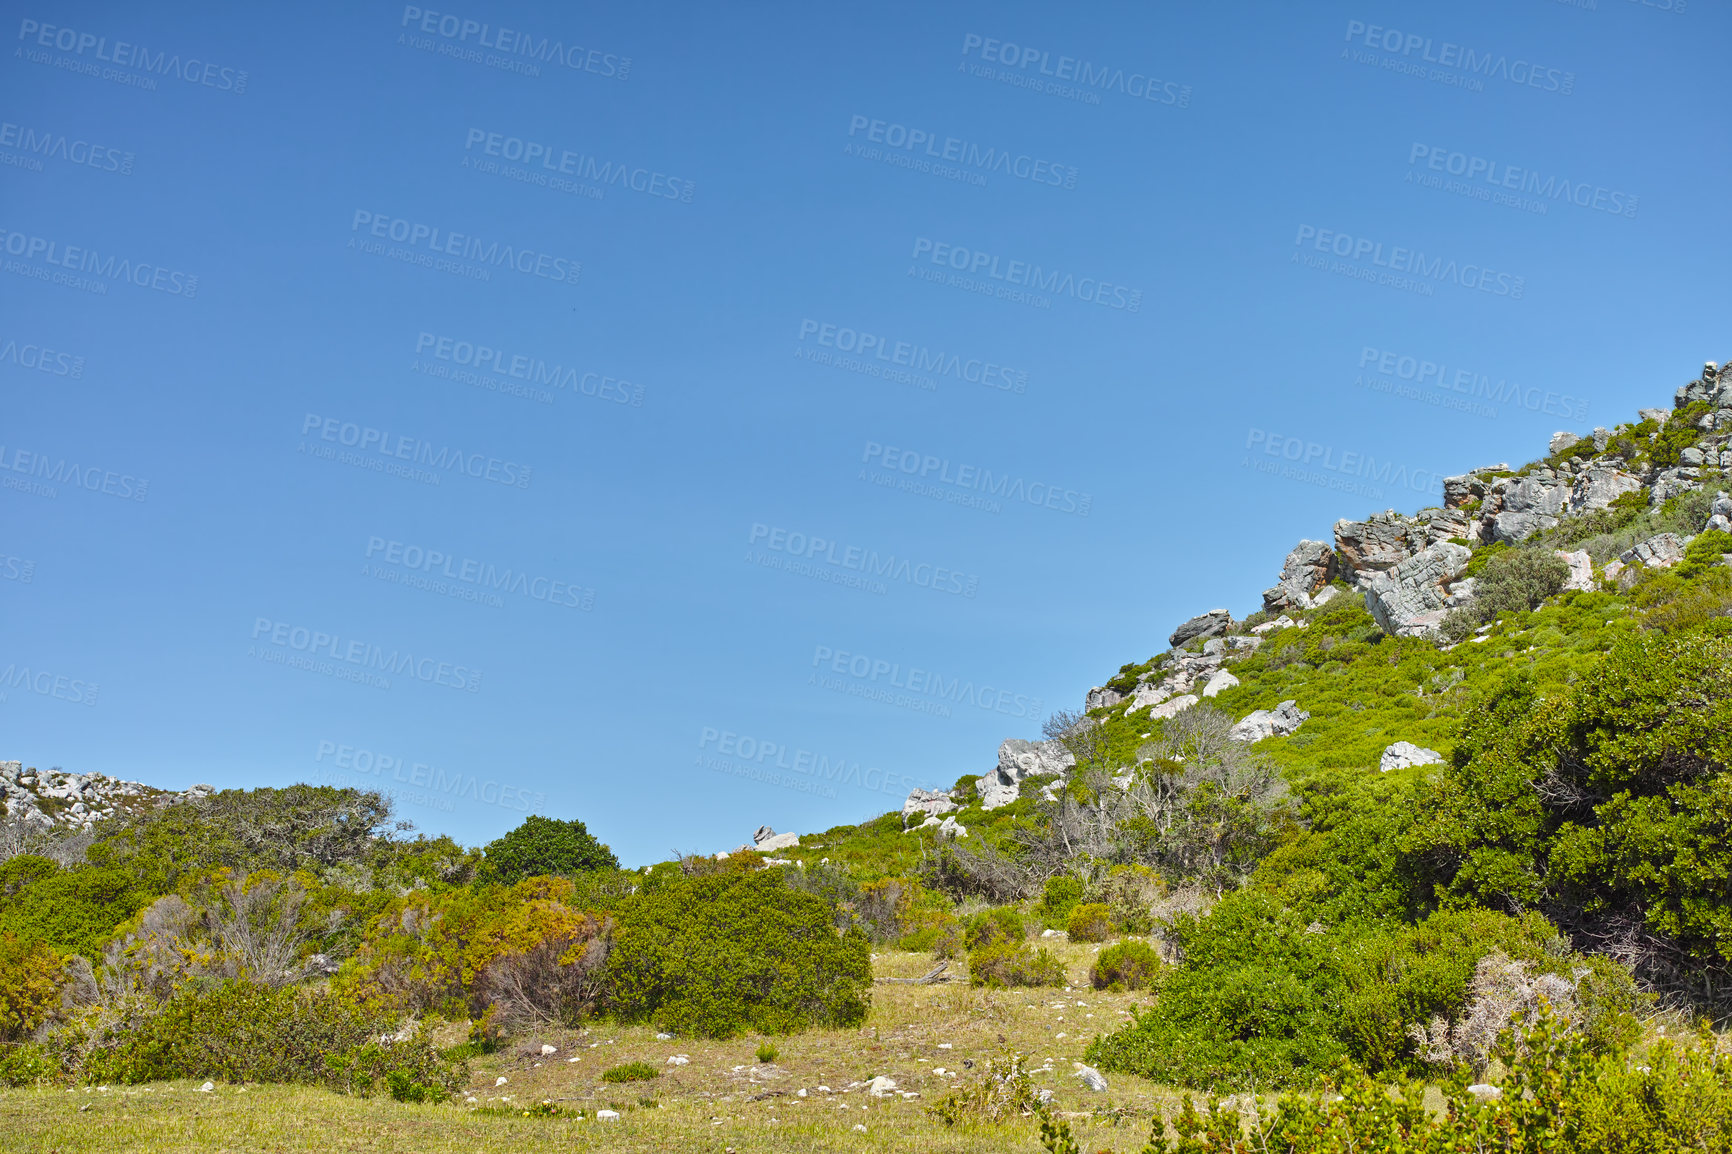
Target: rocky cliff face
{"points": [[1410, 567], [52, 799]]}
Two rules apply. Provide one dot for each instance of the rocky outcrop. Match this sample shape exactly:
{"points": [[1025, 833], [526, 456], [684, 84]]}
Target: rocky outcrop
{"points": [[929, 801], [1720, 514], [1210, 624], [1100, 697], [767, 840], [1019, 760], [1278, 722], [1308, 568], [1599, 487], [1377, 543], [1403, 754], [1519, 507], [1410, 600], [1661, 551], [54, 799], [1173, 706], [1581, 565], [1221, 680]]}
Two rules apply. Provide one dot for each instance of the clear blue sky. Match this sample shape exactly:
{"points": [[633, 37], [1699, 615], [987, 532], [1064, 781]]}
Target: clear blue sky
{"points": [[875, 345]]}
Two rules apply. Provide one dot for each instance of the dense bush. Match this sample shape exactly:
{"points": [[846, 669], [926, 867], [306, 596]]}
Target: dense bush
{"points": [[1606, 807], [1092, 922], [75, 911], [1004, 963], [993, 927], [1558, 1096], [246, 1032], [30, 978], [723, 954], [1511, 581], [1061, 895], [1129, 965], [302, 827], [545, 846], [1264, 996], [523, 948]]}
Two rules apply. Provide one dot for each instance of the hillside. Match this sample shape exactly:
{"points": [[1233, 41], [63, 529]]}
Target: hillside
{"points": [[1385, 635], [1449, 813]]}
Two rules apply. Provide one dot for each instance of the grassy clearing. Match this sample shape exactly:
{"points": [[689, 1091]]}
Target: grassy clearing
{"points": [[723, 1098]]}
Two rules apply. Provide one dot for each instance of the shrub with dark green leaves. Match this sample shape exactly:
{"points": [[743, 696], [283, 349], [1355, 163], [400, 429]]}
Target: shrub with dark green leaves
{"points": [[719, 955], [1004, 963], [1606, 807], [1059, 898], [244, 1032], [1129, 965], [1264, 996], [1092, 922], [545, 846], [1558, 1095], [994, 926]]}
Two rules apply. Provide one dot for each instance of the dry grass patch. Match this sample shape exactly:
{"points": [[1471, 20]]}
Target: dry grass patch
{"points": [[722, 1096]]}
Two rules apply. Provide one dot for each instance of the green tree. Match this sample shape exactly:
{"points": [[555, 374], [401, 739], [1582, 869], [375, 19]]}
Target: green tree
{"points": [[545, 845]]}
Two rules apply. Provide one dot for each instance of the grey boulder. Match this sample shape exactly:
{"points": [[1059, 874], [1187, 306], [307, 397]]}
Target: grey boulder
{"points": [[929, 801], [1410, 599], [1308, 568], [1404, 753], [1661, 551], [1278, 722], [1210, 624]]}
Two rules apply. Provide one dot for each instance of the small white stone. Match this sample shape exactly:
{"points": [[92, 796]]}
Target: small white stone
{"points": [[679, 1060], [859, 1127], [546, 1050], [607, 1115], [500, 1081], [207, 1087], [664, 1037]]}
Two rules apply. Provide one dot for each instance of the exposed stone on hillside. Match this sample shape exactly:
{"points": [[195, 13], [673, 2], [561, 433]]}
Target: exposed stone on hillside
{"points": [[1221, 680], [1403, 754], [1100, 697], [1661, 551], [1017, 761], [1278, 722], [1210, 624], [929, 801], [1410, 600], [1379, 542], [1308, 568], [52, 798], [1581, 576]]}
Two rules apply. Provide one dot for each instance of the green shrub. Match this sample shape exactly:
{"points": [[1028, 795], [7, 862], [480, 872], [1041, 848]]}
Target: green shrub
{"points": [[718, 955], [243, 1032], [1597, 805], [545, 846], [1126, 966], [30, 978], [24, 1064], [1557, 1096], [990, 927], [766, 1052], [630, 1072], [1004, 963], [1091, 923], [1061, 895], [1264, 996]]}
